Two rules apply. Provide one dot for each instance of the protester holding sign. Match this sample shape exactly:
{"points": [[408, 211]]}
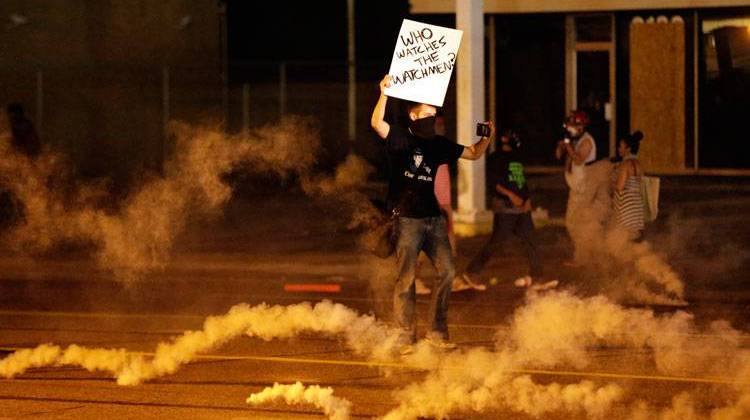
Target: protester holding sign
{"points": [[415, 152]]}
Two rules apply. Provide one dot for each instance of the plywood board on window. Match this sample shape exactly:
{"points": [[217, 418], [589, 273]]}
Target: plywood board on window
{"points": [[657, 93]]}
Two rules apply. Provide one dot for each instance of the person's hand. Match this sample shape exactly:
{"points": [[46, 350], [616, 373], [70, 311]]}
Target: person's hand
{"points": [[492, 128], [385, 83], [565, 146], [516, 200]]}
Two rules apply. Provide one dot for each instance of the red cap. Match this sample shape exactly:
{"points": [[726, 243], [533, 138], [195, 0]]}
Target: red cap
{"points": [[578, 117]]}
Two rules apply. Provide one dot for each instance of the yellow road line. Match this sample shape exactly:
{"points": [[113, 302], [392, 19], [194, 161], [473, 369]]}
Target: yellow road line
{"points": [[381, 364], [106, 315], [97, 315]]}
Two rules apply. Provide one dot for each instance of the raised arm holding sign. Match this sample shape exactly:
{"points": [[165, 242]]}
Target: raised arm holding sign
{"points": [[420, 72]]}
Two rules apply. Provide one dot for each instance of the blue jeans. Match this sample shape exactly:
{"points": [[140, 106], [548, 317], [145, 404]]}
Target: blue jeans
{"points": [[503, 224], [429, 234]]}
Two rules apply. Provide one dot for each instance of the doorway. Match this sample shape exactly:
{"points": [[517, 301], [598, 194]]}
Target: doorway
{"points": [[590, 75]]}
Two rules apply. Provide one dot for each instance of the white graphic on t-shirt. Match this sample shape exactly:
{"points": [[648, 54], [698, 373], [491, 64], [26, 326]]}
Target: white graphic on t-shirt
{"points": [[416, 165]]}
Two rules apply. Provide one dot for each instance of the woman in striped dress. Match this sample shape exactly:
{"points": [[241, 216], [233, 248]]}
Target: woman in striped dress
{"points": [[628, 203]]}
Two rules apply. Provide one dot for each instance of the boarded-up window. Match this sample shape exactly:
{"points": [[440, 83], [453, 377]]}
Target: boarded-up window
{"points": [[657, 93]]}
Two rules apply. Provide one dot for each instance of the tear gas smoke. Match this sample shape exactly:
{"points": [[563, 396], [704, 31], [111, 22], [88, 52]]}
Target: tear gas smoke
{"points": [[480, 380], [551, 330], [352, 173], [588, 221], [335, 408], [588, 209], [646, 263], [344, 188], [560, 329], [137, 236], [362, 333], [111, 360]]}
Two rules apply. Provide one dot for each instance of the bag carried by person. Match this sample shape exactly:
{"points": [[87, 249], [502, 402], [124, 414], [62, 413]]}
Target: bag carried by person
{"points": [[381, 240], [650, 197]]}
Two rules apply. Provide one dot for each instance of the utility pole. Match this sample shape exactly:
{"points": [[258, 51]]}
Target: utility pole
{"points": [[352, 67]]}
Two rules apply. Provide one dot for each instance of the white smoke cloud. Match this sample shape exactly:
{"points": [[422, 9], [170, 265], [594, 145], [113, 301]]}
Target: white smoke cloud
{"points": [[363, 333], [335, 408], [649, 279], [648, 266], [557, 329], [480, 380], [137, 236], [111, 360]]}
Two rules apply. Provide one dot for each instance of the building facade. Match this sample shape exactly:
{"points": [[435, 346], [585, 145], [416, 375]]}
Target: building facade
{"points": [[100, 78], [677, 70]]}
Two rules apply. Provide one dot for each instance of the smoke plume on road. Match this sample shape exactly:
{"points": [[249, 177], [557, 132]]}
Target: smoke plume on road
{"points": [[649, 279], [362, 333], [553, 330], [335, 408]]}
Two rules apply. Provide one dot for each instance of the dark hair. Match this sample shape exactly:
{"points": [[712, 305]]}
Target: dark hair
{"points": [[15, 108], [410, 105], [633, 141], [514, 140]]}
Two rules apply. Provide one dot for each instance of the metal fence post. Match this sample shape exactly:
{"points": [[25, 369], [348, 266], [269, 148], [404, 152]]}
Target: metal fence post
{"points": [[245, 107], [39, 101], [282, 89], [165, 115], [352, 67]]}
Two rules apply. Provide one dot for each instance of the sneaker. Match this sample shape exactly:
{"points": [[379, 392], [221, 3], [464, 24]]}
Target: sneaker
{"points": [[524, 281], [476, 286], [406, 350], [421, 289], [544, 285], [459, 285], [439, 343], [538, 285]]}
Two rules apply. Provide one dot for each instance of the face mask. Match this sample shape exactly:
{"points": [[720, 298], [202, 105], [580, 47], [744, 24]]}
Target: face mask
{"points": [[423, 127], [574, 132]]}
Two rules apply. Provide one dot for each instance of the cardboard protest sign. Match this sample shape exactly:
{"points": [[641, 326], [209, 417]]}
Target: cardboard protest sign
{"points": [[423, 62]]}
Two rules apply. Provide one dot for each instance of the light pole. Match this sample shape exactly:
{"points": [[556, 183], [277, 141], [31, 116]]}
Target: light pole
{"points": [[352, 67]]}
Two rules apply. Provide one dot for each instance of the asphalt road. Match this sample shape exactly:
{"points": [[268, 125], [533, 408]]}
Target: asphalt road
{"points": [[264, 243]]}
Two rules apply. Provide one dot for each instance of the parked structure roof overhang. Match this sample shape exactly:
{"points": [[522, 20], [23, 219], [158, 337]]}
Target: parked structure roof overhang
{"points": [[562, 6]]}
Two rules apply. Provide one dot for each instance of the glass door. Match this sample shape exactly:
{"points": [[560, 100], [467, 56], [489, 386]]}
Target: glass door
{"points": [[590, 81], [593, 95]]}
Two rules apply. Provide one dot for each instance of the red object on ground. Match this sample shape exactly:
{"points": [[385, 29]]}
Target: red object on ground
{"points": [[313, 287]]}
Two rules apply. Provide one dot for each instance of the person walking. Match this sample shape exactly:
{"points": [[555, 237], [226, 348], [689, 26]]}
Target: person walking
{"points": [[511, 207]]}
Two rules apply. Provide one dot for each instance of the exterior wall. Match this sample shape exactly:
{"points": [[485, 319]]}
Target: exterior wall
{"points": [[692, 122], [559, 6], [96, 69]]}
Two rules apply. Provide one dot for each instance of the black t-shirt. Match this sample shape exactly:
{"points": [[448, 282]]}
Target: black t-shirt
{"points": [[413, 166], [506, 169]]}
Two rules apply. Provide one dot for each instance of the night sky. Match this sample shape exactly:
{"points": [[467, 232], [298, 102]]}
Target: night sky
{"points": [[311, 30]]}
